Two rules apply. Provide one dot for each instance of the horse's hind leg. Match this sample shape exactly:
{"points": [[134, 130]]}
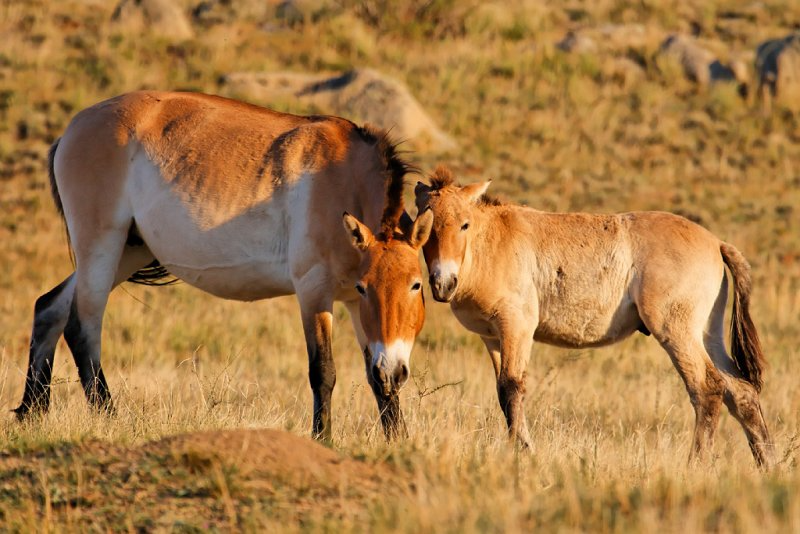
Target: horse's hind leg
{"points": [[678, 326], [101, 266], [740, 397], [742, 401], [49, 319], [705, 387]]}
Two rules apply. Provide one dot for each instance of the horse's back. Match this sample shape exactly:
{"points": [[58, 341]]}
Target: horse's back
{"points": [[222, 192]]}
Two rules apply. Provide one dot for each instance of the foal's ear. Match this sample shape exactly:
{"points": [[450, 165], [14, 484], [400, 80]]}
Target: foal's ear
{"points": [[421, 230], [475, 191], [360, 235]]}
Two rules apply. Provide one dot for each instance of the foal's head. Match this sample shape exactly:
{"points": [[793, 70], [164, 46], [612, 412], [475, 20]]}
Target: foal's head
{"points": [[452, 207], [392, 309]]}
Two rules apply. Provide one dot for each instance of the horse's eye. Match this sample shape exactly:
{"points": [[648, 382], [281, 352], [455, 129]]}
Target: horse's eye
{"points": [[360, 289], [464, 226], [416, 286]]}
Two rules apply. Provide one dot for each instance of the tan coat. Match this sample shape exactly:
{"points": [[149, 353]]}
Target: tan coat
{"points": [[514, 275], [237, 200]]}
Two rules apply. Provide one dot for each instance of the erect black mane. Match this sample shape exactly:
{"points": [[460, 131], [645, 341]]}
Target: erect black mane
{"points": [[395, 169]]}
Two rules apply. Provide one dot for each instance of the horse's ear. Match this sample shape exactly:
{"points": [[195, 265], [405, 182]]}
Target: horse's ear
{"points": [[406, 223], [421, 188], [360, 236], [475, 191], [421, 230]]}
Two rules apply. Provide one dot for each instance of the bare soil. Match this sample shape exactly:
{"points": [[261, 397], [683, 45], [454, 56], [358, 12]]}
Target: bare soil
{"points": [[212, 479]]}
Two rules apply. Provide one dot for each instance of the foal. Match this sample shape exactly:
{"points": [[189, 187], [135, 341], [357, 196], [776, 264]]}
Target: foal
{"points": [[514, 275]]}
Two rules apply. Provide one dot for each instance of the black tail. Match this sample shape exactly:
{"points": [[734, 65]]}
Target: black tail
{"points": [[51, 170], [745, 345]]}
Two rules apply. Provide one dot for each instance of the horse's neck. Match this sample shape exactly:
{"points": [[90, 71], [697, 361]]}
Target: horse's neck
{"points": [[482, 247]]}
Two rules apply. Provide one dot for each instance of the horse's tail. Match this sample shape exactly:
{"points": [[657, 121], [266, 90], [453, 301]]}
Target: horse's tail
{"points": [[745, 345], [51, 170]]}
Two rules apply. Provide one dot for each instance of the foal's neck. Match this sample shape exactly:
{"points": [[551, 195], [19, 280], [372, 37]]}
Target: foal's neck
{"points": [[483, 242]]}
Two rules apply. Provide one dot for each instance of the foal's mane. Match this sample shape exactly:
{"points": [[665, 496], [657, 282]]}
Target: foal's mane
{"points": [[394, 168], [442, 177]]}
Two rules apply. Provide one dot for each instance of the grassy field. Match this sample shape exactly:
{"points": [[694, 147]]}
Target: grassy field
{"points": [[611, 427]]}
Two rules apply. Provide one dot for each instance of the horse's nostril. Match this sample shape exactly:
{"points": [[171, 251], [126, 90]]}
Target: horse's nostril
{"points": [[400, 376], [377, 375], [454, 282]]}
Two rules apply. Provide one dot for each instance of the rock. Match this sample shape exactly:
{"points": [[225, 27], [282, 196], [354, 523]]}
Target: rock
{"points": [[162, 17], [362, 95], [778, 69], [698, 63], [294, 12], [577, 42], [617, 38]]}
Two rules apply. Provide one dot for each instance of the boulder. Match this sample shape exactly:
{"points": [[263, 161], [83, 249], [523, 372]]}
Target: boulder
{"points": [[362, 95], [616, 38], [778, 69], [162, 17], [698, 63]]}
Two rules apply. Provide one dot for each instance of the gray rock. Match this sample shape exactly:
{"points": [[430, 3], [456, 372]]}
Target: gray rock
{"points": [[699, 64], [162, 17], [362, 95], [778, 69]]}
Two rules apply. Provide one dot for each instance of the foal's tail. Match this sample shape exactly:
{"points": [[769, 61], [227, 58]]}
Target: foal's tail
{"points": [[745, 345]]}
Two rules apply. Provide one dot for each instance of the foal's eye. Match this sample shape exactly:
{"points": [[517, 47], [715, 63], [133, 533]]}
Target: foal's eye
{"points": [[360, 289], [464, 226], [416, 286]]}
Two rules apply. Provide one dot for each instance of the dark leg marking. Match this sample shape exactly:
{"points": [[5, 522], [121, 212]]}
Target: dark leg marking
{"points": [[322, 376], [36, 397], [92, 378], [394, 426]]}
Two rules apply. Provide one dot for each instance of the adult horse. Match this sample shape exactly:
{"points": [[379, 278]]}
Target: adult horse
{"points": [[514, 275], [244, 203]]}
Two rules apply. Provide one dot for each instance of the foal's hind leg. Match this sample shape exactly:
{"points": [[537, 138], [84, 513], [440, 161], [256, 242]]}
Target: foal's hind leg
{"points": [[49, 319], [705, 387], [740, 397]]}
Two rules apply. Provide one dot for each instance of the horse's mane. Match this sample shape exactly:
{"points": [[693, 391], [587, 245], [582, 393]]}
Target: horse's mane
{"points": [[395, 169], [442, 177]]}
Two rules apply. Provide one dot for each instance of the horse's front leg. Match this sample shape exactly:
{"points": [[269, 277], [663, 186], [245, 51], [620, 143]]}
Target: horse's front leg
{"points": [[515, 349], [394, 425], [316, 307]]}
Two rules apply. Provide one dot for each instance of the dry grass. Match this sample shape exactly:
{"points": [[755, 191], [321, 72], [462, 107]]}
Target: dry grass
{"points": [[611, 427]]}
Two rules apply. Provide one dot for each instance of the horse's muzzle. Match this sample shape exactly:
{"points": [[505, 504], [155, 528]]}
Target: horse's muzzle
{"points": [[390, 383], [443, 288]]}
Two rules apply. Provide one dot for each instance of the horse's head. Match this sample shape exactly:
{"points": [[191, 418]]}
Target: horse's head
{"points": [[452, 207], [392, 309]]}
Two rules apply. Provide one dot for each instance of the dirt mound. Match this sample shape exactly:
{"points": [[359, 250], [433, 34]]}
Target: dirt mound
{"points": [[258, 479], [270, 457]]}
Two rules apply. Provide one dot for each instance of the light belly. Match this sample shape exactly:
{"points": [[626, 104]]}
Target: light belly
{"points": [[587, 325], [244, 257]]}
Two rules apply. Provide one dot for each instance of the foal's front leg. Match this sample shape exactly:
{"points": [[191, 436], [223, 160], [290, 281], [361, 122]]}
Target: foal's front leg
{"points": [[515, 349]]}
